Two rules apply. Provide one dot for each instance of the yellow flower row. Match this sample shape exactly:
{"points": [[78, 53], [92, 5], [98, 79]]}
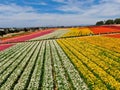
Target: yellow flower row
{"points": [[109, 65], [106, 42], [91, 80], [94, 74], [78, 32]]}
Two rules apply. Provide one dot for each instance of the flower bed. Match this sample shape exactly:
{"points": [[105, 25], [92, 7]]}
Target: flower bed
{"points": [[114, 27], [23, 38], [114, 35], [28, 37], [103, 29], [78, 32], [5, 46]]}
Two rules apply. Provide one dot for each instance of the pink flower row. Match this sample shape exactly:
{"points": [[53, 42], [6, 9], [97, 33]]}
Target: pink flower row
{"points": [[27, 37], [23, 38], [5, 46]]}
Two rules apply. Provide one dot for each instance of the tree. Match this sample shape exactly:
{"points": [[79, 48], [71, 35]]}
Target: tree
{"points": [[25, 29], [2, 33], [110, 21], [100, 23], [117, 21]]}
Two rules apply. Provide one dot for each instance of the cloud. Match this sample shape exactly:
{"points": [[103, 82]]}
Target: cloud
{"points": [[74, 2], [43, 3], [73, 6], [35, 19], [28, 17], [110, 1], [104, 8], [13, 8], [69, 8], [60, 1], [13, 15], [34, 2]]}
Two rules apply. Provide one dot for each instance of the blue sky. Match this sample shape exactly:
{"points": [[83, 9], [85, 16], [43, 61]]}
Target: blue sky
{"points": [[30, 13]]}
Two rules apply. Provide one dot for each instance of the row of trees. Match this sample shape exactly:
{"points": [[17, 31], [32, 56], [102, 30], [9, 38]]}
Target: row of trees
{"points": [[107, 22]]}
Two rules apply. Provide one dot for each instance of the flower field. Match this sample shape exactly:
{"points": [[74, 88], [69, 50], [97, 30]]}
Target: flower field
{"points": [[22, 38], [58, 61], [112, 44], [5, 46], [38, 65], [84, 31], [114, 35], [27, 37], [98, 66], [55, 34], [114, 27], [104, 29]]}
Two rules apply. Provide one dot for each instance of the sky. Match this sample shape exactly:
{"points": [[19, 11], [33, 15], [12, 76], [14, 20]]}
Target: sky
{"points": [[32, 13]]}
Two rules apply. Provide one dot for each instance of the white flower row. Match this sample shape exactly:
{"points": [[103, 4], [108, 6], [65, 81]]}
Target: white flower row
{"points": [[17, 71], [78, 82], [59, 70], [7, 51], [35, 79], [47, 78], [55, 34], [23, 79], [11, 66], [7, 60]]}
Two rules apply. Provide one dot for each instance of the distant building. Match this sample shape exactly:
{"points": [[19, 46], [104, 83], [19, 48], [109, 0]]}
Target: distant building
{"points": [[1, 29]]}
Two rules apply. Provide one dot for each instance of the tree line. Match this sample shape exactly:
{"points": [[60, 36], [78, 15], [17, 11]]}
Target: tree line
{"points": [[108, 22]]}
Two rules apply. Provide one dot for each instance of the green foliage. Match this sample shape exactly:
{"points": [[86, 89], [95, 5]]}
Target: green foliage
{"points": [[100, 23], [117, 21], [109, 22]]}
